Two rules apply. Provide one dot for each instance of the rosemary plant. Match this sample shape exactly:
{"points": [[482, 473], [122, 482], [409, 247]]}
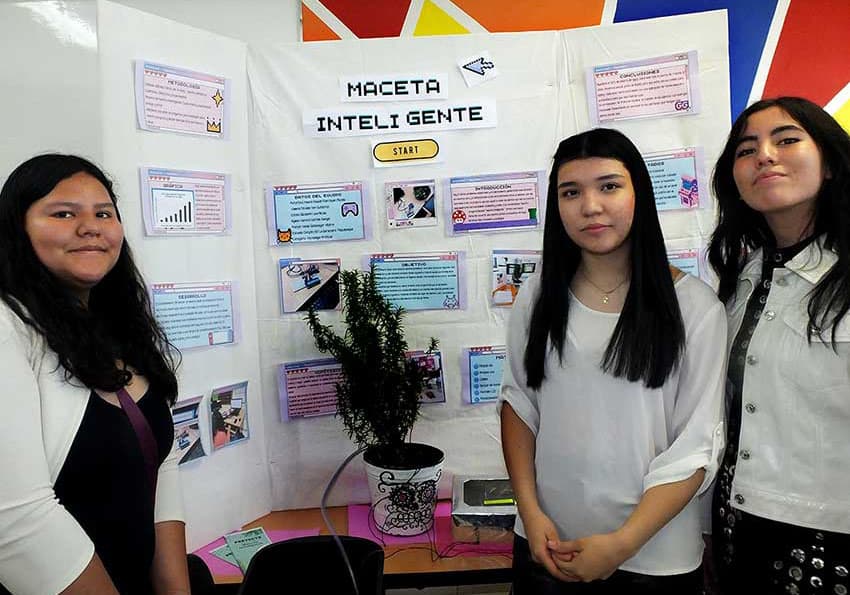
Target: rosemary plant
{"points": [[378, 395]]}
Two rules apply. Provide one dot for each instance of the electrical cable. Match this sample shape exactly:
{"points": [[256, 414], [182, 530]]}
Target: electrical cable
{"points": [[449, 551], [327, 519]]}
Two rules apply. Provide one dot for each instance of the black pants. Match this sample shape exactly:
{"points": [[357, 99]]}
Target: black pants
{"points": [[758, 555], [530, 578]]}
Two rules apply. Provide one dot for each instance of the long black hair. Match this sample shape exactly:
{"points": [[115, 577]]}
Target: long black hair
{"points": [[741, 230], [88, 339], [650, 336]]}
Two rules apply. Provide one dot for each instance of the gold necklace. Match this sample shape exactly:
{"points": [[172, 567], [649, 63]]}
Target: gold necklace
{"points": [[606, 295]]}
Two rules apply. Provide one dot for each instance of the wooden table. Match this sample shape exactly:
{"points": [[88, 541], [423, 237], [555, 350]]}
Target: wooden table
{"points": [[406, 566]]}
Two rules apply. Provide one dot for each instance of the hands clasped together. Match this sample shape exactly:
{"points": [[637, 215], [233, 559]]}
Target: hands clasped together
{"points": [[584, 559]]}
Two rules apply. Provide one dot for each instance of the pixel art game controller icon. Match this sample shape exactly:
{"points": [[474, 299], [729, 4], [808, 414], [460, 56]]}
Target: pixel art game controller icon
{"points": [[350, 208]]}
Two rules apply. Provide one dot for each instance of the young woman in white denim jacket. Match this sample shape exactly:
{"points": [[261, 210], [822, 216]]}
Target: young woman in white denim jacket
{"points": [[781, 511]]}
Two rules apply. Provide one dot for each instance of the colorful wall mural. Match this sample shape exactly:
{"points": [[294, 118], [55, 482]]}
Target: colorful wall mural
{"points": [[776, 47]]}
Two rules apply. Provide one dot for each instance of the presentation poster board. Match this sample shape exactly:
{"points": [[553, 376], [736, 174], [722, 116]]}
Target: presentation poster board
{"points": [[541, 98]]}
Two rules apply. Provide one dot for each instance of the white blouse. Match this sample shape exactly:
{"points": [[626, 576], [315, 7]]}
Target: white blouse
{"points": [[602, 441]]}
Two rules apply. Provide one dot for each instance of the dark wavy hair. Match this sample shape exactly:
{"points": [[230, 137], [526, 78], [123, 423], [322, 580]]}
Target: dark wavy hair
{"points": [[650, 336], [116, 324], [741, 230]]}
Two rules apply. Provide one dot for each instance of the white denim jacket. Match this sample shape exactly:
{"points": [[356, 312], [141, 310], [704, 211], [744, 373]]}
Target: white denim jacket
{"points": [[794, 452]]}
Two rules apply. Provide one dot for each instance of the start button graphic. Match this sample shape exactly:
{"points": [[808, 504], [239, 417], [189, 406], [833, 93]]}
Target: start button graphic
{"points": [[405, 150]]}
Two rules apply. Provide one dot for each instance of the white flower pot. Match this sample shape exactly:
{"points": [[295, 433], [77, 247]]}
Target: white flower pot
{"points": [[404, 499]]}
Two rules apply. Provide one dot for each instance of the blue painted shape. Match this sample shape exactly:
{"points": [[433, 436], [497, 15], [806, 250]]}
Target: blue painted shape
{"points": [[749, 23]]}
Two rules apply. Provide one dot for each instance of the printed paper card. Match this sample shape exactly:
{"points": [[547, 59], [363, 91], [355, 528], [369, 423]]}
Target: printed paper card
{"points": [[218, 557], [179, 202], [306, 284], [196, 314], [677, 177], [411, 204], [413, 119], [420, 280], [435, 391], [187, 431], [651, 88], [481, 372], [170, 99], [223, 553], [686, 260], [229, 414], [308, 388], [511, 268], [494, 201], [315, 213], [413, 151], [244, 544], [478, 68], [393, 87]]}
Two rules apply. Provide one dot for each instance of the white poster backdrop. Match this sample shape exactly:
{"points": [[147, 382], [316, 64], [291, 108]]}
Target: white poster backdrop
{"points": [[538, 103], [229, 487], [540, 98], [704, 32]]}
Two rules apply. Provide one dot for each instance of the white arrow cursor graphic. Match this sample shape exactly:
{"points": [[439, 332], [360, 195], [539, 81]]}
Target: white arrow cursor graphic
{"points": [[478, 66]]}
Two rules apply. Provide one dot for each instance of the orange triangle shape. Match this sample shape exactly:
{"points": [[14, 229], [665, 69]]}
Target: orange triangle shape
{"points": [[541, 15], [313, 28]]}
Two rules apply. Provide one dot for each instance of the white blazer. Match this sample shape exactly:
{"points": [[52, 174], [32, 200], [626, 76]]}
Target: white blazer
{"points": [[42, 547]]}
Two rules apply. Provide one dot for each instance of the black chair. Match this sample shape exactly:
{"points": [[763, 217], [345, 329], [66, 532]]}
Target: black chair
{"points": [[317, 562], [200, 577]]}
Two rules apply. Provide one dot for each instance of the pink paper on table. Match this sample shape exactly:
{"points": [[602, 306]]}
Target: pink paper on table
{"points": [[361, 524], [219, 567]]}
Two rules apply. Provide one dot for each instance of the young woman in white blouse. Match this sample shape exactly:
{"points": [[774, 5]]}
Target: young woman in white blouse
{"points": [[611, 402], [781, 521]]}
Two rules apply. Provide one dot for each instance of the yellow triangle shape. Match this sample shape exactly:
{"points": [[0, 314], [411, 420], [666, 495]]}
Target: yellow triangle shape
{"points": [[843, 116], [433, 20]]}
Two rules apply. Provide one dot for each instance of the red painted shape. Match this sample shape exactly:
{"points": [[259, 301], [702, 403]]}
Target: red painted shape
{"points": [[811, 58], [370, 18]]}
